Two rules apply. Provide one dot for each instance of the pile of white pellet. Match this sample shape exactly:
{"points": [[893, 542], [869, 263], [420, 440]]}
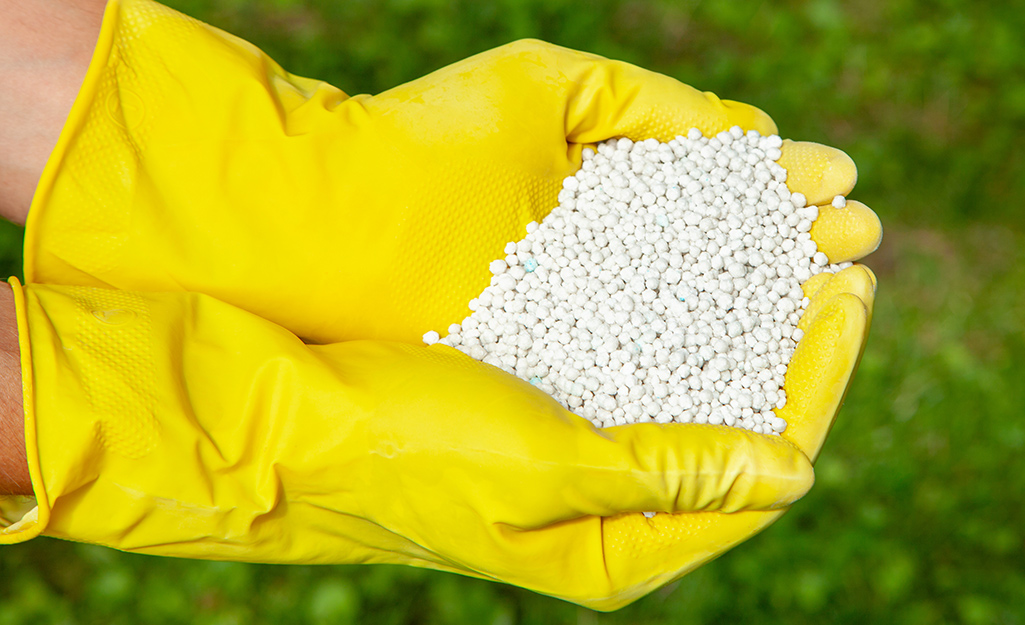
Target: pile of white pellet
{"points": [[666, 286]]}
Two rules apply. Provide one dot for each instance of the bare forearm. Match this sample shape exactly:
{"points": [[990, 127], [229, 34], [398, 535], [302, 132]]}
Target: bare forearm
{"points": [[14, 476], [45, 47]]}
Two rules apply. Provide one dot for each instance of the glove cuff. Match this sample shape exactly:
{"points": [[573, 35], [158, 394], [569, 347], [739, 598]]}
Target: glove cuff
{"points": [[87, 391], [24, 518]]}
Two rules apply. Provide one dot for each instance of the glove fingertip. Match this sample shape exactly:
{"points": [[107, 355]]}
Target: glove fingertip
{"points": [[820, 172], [856, 280], [702, 468], [848, 233], [779, 475]]}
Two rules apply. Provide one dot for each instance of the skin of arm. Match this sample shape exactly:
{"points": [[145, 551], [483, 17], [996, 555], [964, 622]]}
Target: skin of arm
{"points": [[45, 47], [14, 476]]}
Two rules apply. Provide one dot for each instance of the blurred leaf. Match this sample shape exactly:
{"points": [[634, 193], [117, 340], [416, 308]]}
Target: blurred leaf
{"points": [[335, 601]]}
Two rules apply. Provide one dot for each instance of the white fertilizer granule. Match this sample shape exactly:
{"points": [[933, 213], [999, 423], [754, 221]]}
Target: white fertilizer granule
{"points": [[666, 286]]}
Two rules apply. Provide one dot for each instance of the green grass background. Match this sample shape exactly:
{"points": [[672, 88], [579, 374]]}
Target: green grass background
{"points": [[917, 515]]}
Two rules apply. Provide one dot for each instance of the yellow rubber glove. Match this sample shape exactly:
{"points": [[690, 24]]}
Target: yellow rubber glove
{"points": [[178, 425], [191, 161]]}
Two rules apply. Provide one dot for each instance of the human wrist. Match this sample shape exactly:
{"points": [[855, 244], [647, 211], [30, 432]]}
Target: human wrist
{"points": [[14, 474]]}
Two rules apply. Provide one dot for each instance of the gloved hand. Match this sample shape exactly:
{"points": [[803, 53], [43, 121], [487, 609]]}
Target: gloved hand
{"points": [[191, 161], [175, 424]]}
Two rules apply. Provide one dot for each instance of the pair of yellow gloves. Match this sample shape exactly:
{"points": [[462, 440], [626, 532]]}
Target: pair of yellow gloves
{"points": [[203, 209]]}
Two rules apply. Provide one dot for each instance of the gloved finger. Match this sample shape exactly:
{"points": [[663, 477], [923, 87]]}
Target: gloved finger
{"points": [[674, 468], [821, 173], [848, 233], [507, 451], [605, 563], [817, 171], [542, 465], [602, 98], [640, 554], [820, 289], [615, 560], [825, 359]]}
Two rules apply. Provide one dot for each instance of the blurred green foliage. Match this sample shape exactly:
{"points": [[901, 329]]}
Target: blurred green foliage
{"points": [[917, 513]]}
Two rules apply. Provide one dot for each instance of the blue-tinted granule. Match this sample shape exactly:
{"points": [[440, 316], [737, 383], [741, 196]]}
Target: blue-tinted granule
{"points": [[529, 265]]}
